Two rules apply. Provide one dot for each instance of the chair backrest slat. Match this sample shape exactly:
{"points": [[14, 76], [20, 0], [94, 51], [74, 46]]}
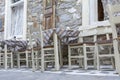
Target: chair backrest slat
{"points": [[114, 13], [34, 31]]}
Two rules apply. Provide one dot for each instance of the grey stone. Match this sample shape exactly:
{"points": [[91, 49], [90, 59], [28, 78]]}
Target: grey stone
{"points": [[78, 2], [76, 16], [72, 10], [66, 5], [69, 0], [65, 17]]}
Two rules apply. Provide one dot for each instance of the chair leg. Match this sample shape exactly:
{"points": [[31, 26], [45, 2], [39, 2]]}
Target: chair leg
{"points": [[60, 54], [57, 65], [112, 59], [36, 56], [33, 62], [117, 56], [11, 60], [97, 54], [69, 57], [113, 63], [80, 62], [26, 53], [42, 60], [18, 60], [95, 60], [5, 57], [85, 57]]}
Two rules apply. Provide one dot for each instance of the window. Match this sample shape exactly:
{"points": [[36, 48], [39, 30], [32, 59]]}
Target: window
{"points": [[100, 11], [16, 19], [13, 1]]}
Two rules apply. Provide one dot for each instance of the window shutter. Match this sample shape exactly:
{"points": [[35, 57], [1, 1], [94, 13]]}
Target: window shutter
{"points": [[48, 14]]}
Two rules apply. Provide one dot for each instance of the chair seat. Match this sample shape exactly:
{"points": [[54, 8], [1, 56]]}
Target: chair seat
{"points": [[104, 41], [78, 44], [39, 48]]}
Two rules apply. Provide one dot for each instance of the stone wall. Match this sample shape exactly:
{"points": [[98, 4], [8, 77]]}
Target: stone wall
{"points": [[68, 12], [34, 10], [2, 8], [2, 12]]}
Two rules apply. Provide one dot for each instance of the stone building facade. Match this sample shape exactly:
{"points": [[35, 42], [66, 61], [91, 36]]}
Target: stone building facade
{"points": [[105, 2], [68, 12]]}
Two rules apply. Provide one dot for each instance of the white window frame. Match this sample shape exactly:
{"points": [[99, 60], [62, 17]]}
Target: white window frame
{"points": [[8, 11]]}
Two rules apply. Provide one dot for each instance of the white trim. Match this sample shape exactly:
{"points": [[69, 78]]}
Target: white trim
{"points": [[8, 13], [25, 20], [17, 3], [7, 17], [85, 12], [93, 11]]}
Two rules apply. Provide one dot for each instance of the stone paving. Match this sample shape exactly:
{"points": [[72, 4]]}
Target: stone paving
{"points": [[27, 74]]}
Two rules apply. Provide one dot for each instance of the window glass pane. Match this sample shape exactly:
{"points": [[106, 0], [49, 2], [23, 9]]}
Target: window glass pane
{"points": [[17, 21], [15, 1]]}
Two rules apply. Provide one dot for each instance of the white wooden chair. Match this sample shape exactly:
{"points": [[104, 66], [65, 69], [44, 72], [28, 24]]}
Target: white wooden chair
{"points": [[83, 51], [23, 58], [114, 18], [46, 52], [104, 47], [6, 57]]}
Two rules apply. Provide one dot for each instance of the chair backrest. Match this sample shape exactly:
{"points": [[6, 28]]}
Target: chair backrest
{"points": [[114, 13], [95, 31], [114, 18], [34, 33], [42, 37], [102, 37]]}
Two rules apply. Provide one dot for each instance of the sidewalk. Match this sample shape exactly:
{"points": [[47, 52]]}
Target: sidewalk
{"points": [[29, 75]]}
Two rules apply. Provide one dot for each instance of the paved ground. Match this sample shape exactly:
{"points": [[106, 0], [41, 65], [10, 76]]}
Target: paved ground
{"points": [[29, 75]]}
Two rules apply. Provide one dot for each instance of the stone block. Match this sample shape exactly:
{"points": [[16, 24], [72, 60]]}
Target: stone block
{"points": [[65, 17]]}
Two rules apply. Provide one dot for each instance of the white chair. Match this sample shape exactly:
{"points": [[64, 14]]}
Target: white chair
{"points": [[104, 50], [46, 52], [83, 51], [114, 18], [6, 57]]}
